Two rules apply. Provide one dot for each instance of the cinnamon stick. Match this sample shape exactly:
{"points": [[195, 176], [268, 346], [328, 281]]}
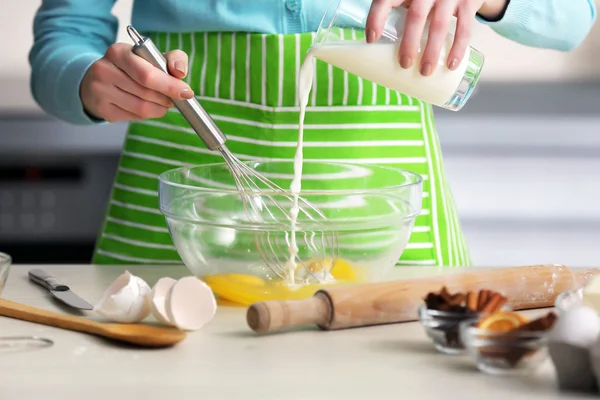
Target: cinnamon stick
{"points": [[494, 303], [482, 299], [472, 301]]}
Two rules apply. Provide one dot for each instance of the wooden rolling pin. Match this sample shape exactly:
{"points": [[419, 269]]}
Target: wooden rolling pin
{"points": [[341, 307]]}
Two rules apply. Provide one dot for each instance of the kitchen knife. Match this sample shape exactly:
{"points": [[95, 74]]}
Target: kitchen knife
{"points": [[58, 289]]}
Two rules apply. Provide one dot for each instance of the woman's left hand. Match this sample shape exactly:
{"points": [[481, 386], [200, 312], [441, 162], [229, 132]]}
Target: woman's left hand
{"points": [[441, 12]]}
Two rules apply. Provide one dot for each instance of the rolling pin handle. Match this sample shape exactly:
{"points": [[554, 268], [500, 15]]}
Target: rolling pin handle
{"points": [[270, 316]]}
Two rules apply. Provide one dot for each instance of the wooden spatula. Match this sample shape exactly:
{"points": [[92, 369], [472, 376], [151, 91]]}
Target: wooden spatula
{"points": [[137, 334]]}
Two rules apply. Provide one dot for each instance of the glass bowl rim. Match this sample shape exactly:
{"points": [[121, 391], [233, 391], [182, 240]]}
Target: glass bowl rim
{"points": [[416, 180], [5, 260], [471, 332], [447, 314]]}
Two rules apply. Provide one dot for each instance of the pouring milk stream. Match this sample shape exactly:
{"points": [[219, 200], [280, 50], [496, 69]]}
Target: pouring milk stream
{"points": [[376, 62], [305, 79]]}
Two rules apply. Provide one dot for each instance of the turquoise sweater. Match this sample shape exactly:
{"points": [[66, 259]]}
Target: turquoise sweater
{"points": [[71, 34]]}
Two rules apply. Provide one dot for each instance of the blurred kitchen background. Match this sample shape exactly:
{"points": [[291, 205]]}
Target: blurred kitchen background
{"points": [[523, 157]]}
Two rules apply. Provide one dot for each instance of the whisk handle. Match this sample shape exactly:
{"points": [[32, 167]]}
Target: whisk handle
{"points": [[196, 116], [271, 316]]}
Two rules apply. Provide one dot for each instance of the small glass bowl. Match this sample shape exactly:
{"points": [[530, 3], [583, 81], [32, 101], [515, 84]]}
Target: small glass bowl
{"points": [[504, 353], [5, 263], [568, 299], [442, 327]]}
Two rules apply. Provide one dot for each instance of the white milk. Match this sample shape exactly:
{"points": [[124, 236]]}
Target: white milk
{"points": [[305, 79], [378, 62]]}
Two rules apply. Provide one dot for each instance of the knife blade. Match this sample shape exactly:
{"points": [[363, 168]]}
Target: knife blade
{"points": [[58, 289]]}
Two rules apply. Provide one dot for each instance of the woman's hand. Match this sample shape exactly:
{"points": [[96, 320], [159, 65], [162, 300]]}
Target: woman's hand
{"points": [[440, 13], [123, 86]]}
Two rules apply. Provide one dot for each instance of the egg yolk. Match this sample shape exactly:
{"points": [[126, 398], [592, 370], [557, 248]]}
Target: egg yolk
{"points": [[244, 289]]}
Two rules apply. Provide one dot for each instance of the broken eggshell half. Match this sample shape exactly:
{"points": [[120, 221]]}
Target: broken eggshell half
{"points": [[187, 304], [160, 291], [127, 300], [190, 304]]}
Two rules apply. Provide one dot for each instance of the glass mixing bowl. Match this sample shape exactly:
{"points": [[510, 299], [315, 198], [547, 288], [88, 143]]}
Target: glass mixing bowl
{"points": [[5, 263], [369, 213]]}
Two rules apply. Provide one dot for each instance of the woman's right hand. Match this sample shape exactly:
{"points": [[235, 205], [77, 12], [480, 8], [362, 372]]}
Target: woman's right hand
{"points": [[122, 86]]}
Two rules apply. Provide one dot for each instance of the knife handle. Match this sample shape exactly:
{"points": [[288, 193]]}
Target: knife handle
{"points": [[46, 280]]}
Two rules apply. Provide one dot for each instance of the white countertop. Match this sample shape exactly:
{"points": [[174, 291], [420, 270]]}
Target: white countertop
{"points": [[228, 361]]}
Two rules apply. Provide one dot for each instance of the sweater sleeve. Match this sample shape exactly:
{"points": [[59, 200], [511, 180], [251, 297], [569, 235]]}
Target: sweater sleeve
{"points": [[554, 24], [69, 36]]}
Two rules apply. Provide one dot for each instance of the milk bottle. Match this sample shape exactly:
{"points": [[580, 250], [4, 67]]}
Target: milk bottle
{"points": [[341, 42]]}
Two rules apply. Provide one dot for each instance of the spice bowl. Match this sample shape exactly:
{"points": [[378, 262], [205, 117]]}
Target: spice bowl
{"points": [[504, 353], [441, 314], [442, 327]]}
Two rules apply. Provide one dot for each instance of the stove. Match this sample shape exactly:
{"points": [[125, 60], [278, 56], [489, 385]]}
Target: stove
{"points": [[55, 182]]}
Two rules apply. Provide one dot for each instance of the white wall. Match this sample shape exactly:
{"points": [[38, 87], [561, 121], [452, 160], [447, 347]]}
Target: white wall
{"points": [[505, 61]]}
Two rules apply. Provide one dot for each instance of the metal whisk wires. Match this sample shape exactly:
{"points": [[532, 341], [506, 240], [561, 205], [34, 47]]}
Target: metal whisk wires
{"points": [[259, 198]]}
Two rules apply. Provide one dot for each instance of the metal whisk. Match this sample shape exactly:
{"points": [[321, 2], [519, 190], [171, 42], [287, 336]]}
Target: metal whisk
{"points": [[257, 192]]}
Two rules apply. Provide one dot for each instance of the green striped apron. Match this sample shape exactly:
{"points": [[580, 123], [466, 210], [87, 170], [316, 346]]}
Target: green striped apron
{"points": [[247, 82]]}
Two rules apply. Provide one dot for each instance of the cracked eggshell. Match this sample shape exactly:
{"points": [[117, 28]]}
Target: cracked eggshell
{"points": [[160, 291], [127, 300], [190, 304]]}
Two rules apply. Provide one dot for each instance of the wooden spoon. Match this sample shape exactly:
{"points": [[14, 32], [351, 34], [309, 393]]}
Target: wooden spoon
{"points": [[137, 334]]}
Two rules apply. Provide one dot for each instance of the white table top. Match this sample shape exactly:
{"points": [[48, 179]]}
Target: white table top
{"points": [[226, 360]]}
